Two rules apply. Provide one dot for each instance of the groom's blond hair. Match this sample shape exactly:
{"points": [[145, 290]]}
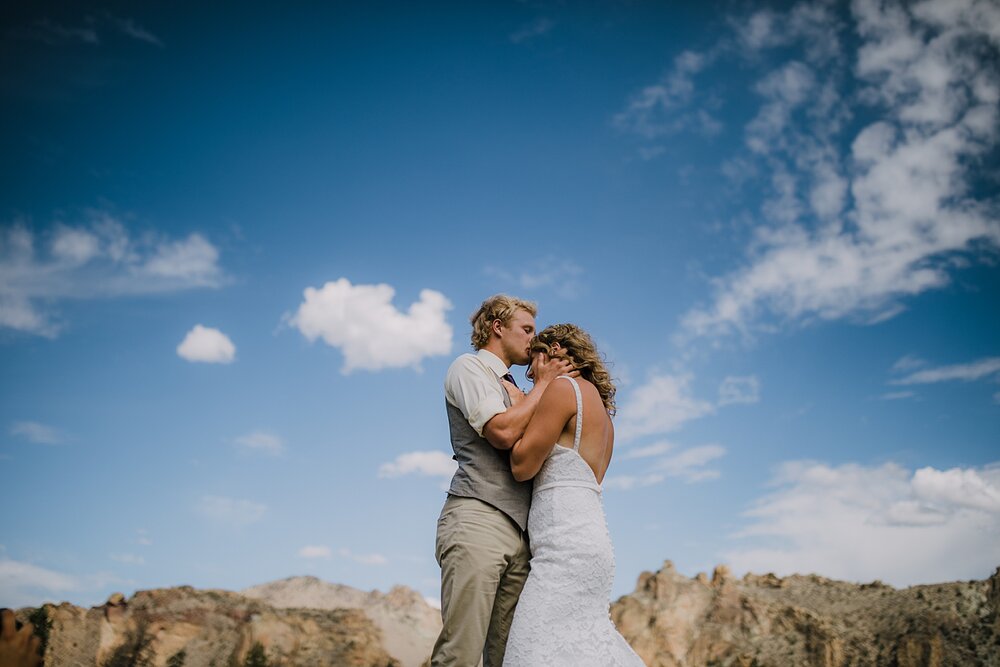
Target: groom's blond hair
{"points": [[497, 307]]}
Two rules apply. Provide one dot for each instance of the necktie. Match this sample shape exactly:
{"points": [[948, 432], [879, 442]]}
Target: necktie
{"points": [[510, 378]]}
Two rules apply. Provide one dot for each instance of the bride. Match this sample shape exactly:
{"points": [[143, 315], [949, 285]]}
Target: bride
{"points": [[562, 616]]}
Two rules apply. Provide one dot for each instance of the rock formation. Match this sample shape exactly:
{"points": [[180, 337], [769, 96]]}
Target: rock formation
{"points": [[670, 620], [759, 620], [409, 625], [213, 628]]}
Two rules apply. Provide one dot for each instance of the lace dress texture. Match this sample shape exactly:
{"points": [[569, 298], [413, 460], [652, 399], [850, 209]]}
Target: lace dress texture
{"points": [[562, 616]]}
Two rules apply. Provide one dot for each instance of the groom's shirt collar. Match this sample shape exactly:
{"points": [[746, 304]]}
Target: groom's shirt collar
{"points": [[493, 362], [472, 385]]}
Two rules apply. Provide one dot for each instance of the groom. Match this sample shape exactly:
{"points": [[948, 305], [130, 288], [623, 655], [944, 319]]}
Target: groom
{"points": [[482, 546]]}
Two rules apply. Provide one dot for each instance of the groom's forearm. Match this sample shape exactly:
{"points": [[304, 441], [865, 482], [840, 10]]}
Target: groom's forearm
{"points": [[506, 428]]}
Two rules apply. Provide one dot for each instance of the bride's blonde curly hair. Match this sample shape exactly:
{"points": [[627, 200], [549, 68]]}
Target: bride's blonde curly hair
{"points": [[579, 349]]}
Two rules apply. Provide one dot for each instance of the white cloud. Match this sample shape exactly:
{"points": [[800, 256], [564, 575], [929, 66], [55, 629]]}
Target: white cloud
{"points": [[661, 405], [95, 260], [433, 602], [807, 174], [862, 523], [689, 464], [813, 25], [560, 276], [143, 537], [536, 28], [958, 488], [52, 33], [90, 32], [191, 259], [785, 89], [907, 363], [926, 78], [897, 395], [668, 106], [429, 464], [75, 246], [629, 482], [24, 584], [207, 345], [317, 551], [364, 559], [231, 510], [361, 321], [744, 390], [129, 27], [965, 372], [16, 574], [37, 433], [262, 441], [761, 30], [127, 559], [852, 234], [649, 450], [656, 110], [647, 153]]}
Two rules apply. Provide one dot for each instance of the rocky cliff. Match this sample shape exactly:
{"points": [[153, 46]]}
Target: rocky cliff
{"points": [[212, 628], [409, 626], [671, 621], [764, 620]]}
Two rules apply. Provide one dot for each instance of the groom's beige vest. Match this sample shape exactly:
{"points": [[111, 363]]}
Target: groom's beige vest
{"points": [[484, 471]]}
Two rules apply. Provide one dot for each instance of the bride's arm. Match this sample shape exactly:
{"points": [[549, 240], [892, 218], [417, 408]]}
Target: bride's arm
{"points": [[556, 407]]}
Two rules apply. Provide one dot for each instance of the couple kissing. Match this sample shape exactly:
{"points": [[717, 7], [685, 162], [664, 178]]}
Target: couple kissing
{"points": [[522, 541]]}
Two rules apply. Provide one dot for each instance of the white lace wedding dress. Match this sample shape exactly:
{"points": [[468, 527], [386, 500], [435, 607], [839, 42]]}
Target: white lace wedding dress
{"points": [[562, 616]]}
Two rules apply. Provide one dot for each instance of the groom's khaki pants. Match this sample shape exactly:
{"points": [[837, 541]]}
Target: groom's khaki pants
{"points": [[484, 562]]}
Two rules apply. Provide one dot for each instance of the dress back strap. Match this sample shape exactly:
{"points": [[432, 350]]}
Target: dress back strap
{"points": [[579, 412]]}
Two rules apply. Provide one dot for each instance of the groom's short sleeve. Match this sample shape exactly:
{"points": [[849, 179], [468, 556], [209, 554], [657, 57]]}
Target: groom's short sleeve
{"points": [[470, 388]]}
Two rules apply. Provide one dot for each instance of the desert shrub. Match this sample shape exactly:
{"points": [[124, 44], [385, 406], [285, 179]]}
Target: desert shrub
{"points": [[256, 656], [43, 624]]}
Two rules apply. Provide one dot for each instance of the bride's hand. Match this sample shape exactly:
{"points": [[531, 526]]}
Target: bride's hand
{"points": [[545, 369]]}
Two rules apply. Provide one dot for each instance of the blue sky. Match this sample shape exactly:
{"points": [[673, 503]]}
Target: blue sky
{"points": [[238, 252]]}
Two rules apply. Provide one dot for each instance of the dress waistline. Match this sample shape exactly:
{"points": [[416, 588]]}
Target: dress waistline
{"points": [[569, 482]]}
